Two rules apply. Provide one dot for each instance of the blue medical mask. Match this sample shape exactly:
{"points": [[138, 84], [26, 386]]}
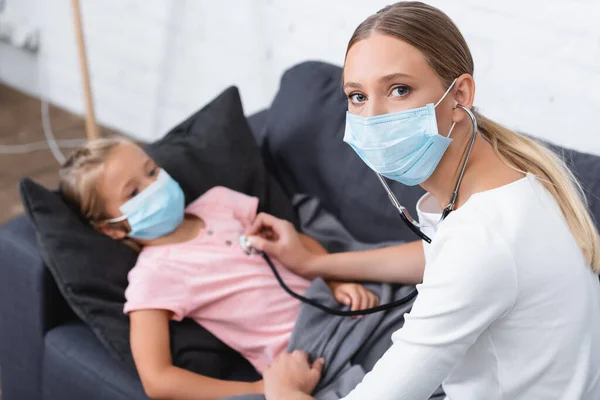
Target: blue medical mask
{"points": [[156, 211], [403, 146]]}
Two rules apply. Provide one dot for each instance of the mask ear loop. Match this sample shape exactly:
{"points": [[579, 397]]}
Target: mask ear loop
{"points": [[442, 99], [445, 94], [451, 129], [115, 220]]}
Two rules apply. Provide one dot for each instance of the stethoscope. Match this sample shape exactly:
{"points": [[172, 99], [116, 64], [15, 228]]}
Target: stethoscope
{"points": [[408, 220], [405, 215], [248, 249]]}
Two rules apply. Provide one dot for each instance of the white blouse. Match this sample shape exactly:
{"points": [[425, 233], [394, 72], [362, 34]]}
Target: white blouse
{"points": [[507, 308]]}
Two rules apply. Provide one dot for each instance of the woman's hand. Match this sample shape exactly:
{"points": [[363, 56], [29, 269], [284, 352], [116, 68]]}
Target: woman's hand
{"points": [[292, 376], [278, 238], [354, 295]]}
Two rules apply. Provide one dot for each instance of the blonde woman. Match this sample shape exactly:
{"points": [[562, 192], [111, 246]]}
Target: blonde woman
{"points": [[509, 303]]}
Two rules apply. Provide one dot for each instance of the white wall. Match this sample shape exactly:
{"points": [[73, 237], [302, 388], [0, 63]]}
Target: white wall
{"points": [[153, 62]]}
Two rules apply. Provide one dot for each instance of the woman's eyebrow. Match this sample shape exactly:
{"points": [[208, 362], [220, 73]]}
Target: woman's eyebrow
{"points": [[382, 80], [394, 76], [352, 85]]}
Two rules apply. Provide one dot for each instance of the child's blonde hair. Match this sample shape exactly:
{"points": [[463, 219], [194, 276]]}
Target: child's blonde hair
{"points": [[79, 175]]}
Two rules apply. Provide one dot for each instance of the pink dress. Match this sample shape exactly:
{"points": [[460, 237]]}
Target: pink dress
{"points": [[211, 280]]}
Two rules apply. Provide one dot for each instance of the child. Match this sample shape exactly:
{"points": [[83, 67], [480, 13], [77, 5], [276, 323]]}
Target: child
{"points": [[190, 265]]}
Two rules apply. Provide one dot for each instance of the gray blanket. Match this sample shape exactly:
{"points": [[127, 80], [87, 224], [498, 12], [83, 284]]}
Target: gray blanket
{"points": [[350, 346]]}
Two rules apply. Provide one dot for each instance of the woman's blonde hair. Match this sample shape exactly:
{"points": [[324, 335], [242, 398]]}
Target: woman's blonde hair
{"points": [[434, 34], [79, 175]]}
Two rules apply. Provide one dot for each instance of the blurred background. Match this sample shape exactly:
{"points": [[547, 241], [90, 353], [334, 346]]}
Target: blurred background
{"points": [[153, 62]]}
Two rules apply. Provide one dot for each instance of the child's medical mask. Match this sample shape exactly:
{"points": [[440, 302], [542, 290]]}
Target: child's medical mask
{"points": [[403, 146], [156, 211]]}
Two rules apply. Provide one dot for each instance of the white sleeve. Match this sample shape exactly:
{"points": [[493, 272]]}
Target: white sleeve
{"points": [[469, 282]]}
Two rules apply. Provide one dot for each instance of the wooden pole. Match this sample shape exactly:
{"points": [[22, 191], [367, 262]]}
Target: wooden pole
{"points": [[91, 127]]}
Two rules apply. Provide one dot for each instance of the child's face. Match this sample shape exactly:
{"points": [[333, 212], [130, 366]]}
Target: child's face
{"points": [[127, 171]]}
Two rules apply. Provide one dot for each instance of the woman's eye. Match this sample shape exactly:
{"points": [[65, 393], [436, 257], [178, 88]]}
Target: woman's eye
{"points": [[400, 91], [153, 171], [357, 98], [133, 193]]}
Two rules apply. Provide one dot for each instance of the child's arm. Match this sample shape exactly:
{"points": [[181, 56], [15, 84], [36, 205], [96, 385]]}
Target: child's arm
{"points": [[160, 378], [351, 294]]}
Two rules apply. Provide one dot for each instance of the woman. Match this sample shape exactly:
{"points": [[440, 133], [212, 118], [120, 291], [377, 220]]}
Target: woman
{"points": [[509, 303]]}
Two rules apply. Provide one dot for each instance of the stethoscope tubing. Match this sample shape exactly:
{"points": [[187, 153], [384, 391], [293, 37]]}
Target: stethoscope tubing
{"points": [[342, 313]]}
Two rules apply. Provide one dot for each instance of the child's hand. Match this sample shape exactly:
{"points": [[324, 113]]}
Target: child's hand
{"points": [[354, 295]]}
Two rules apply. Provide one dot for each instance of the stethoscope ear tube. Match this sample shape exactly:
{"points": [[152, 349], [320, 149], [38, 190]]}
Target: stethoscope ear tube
{"points": [[454, 195], [414, 228], [383, 307], [450, 207]]}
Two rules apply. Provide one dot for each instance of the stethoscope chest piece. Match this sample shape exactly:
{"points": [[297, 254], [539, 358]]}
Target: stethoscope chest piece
{"points": [[246, 245]]}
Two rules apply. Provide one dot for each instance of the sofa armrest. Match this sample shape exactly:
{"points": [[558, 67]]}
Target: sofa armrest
{"points": [[30, 304]]}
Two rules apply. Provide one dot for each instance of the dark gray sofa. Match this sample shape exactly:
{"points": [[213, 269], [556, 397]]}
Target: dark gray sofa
{"points": [[47, 353]]}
